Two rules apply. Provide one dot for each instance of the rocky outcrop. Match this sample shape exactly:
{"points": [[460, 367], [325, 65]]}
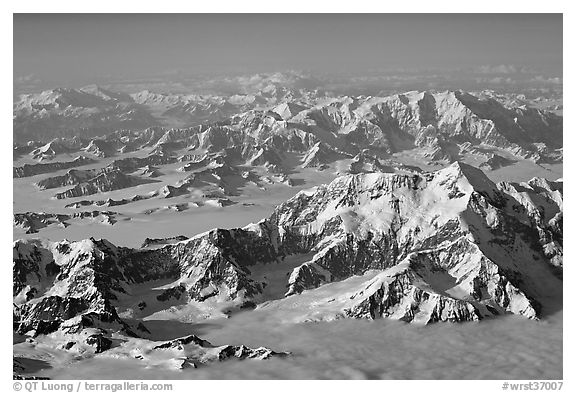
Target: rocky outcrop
{"points": [[320, 155], [148, 242], [37, 169], [192, 351], [102, 148], [538, 203], [51, 149], [33, 222], [494, 162], [99, 342], [131, 164], [103, 182]]}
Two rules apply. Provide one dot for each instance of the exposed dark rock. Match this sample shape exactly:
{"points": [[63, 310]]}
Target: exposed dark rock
{"points": [[99, 342], [37, 169]]}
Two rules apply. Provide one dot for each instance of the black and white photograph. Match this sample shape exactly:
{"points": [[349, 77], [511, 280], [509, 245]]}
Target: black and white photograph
{"points": [[287, 196]]}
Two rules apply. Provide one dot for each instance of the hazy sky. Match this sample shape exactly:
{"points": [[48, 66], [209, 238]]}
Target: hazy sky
{"points": [[78, 48]]}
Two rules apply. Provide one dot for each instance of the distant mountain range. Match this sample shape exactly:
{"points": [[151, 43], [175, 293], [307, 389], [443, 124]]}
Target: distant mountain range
{"points": [[446, 126], [436, 120]]}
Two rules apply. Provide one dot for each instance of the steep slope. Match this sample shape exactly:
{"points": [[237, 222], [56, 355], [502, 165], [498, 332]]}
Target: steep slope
{"points": [[455, 221]]}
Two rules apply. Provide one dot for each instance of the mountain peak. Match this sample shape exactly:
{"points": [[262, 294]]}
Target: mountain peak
{"points": [[472, 175]]}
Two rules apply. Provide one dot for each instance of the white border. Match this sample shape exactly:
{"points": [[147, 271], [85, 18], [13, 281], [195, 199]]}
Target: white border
{"points": [[302, 6]]}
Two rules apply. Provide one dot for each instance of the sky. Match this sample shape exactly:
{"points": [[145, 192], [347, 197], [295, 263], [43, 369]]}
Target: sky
{"points": [[81, 48]]}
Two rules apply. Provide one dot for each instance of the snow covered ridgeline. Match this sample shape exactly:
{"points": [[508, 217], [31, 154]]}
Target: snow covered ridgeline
{"points": [[450, 245], [446, 126], [443, 246], [65, 292]]}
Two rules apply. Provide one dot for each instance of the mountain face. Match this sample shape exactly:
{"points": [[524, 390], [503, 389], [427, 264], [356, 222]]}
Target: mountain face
{"points": [[71, 287], [451, 246], [448, 245], [439, 122]]}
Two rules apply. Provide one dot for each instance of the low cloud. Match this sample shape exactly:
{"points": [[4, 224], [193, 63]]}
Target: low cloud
{"points": [[502, 69]]}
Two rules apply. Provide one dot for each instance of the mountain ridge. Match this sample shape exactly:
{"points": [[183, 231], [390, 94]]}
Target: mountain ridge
{"points": [[452, 230], [438, 121]]}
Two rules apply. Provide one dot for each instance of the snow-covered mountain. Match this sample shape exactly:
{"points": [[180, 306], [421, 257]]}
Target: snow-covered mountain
{"points": [[443, 246], [69, 289], [68, 112], [436, 128], [401, 224], [94, 110], [445, 125]]}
